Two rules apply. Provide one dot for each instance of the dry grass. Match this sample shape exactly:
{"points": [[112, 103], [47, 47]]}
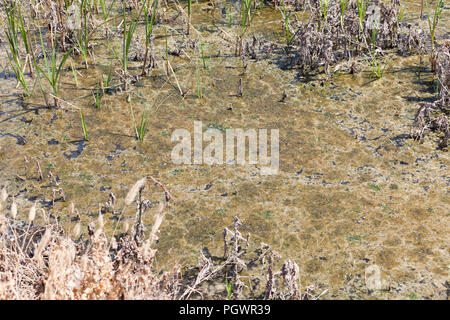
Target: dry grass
{"points": [[46, 262], [434, 115], [43, 262]]}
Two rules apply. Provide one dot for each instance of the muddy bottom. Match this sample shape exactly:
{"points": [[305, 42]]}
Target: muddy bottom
{"points": [[352, 189]]}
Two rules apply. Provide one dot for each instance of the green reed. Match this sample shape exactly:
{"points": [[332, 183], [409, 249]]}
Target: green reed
{"points": [[362, 9], [148, 29], [128, 34], [98, 95], [246, 17], [83, 124], [286, 23], [202, 52], [229, 14], [343, 5], [189, 16], [12, 30], [324, 5], [106, 12], [53, 69], [433, 20], [74, 73], [377, 68], [82, 36], [246, 7], [103, 84]]}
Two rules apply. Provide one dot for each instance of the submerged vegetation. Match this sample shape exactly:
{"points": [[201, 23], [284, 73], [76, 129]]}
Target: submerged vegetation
{"points": [[91, 56]]}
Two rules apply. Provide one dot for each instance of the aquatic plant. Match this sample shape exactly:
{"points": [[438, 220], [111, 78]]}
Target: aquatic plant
{"points": [[202, 52], [83, 125], [25, 39], [127, 36], [377, 68], [433, 20], [189, 16], [13, 45], [324, 4], [53, 69], [106, 12], [348, 33], [362, 9], [149, 22], [343, 6], [98, 95], [434, 115], [246, 16], [229, 13], [82, 36], [74, 73], [286, 23]]}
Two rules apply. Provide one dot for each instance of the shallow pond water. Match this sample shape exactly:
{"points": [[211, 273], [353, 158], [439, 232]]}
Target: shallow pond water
{"points": [[352, 189]]}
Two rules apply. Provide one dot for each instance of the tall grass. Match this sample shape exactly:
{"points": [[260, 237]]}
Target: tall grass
{"points": [[202, 52], [83, 125], [433, 20], [12, 30], [362, 9], [39, 256], [128, 33], [148, 29], [324, 5], [246, 7], [98, 95], [343, 5], [246, 16], [106, 12], [189, 16], [24, 36], [82, 35], [377, 69], [229, 14], [53, 69], [286, 23]]}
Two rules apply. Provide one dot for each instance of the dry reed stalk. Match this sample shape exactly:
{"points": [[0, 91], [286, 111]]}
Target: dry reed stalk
{"points": [[40, 176], [126, 226], [134, 191], [13, 209], [156, 224], [32, 213], [4, 195], [76, 232]]}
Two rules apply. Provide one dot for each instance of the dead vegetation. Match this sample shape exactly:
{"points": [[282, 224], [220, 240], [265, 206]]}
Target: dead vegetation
{"points": [[434, 115], [44, 261], [359, 31]]}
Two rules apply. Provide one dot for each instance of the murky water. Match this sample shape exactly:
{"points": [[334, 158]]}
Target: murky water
{"points": [[352, 190]]}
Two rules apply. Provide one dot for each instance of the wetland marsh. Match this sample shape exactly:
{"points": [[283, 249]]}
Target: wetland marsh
{"points": [[353, 189]]}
